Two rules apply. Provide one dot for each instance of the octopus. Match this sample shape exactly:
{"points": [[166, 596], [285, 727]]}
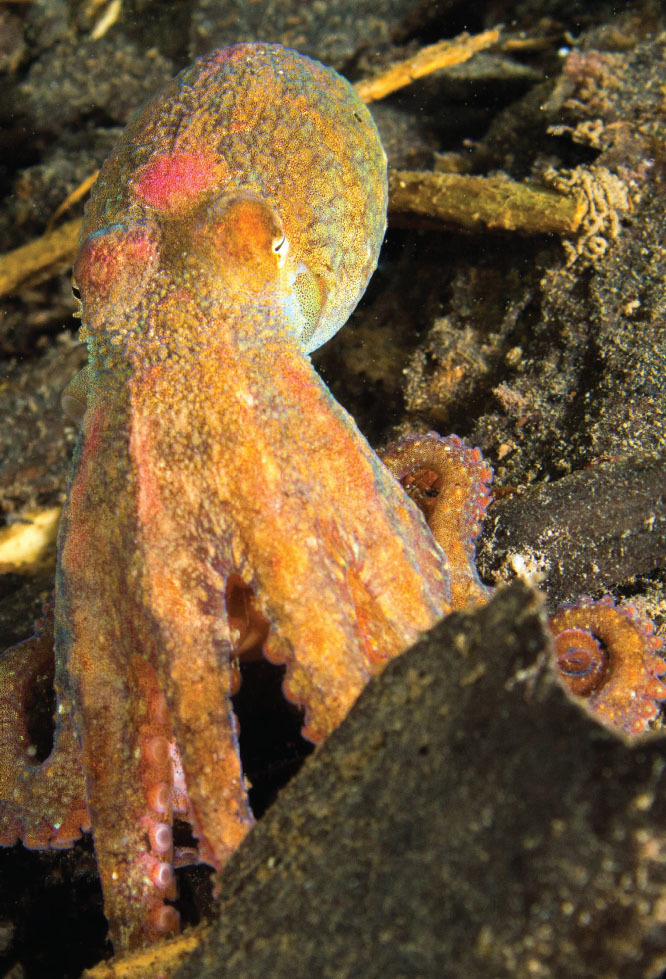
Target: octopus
{"points": [[220, 499], [217, 488]]}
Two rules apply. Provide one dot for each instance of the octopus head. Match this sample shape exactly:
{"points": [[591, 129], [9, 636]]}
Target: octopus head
{"points": [[283, 159]]}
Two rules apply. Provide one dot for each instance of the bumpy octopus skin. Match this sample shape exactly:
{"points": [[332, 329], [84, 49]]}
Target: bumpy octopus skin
{"points": [[231, 231]]}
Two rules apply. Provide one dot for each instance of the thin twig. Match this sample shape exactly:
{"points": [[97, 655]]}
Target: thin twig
{"points": [[39, 259], [444, 54], [71, 199], [148, 963]]}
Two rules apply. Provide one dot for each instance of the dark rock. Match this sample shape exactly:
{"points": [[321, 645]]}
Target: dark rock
{"points": [[104, 80], [587, 532], [12, 42], [465, 820], [566, 348], [36, 440]]}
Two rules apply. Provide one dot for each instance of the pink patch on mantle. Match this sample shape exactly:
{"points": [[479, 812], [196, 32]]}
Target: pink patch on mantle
{"points": [[171, 180], [233, 52]]}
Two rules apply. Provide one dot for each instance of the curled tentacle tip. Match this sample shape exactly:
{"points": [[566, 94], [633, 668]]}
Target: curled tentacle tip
{"points": [[608, 656], [440, 465], [450, 484]]}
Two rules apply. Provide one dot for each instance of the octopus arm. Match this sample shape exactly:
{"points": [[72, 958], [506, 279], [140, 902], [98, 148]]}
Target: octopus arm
{"points": [[105, 660], [450, 483], [271, 482], [609, 657], [187, 550], [42, 804]]}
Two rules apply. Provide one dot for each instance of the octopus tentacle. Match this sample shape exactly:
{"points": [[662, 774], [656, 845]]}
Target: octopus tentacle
{"points": [[105, 642], [608, 656], [194, 668], [43, 804], [286, 542], [450, 483]]}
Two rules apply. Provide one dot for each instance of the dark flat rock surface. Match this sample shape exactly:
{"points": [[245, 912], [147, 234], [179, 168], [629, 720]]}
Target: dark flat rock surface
{"points": [[465, 820], [583, 532]]}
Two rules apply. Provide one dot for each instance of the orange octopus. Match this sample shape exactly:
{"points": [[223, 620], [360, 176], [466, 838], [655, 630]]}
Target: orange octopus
{"points": [[219, 496], [232, 230]]}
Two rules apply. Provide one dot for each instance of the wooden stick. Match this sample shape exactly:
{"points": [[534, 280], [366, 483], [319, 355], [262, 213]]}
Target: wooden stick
{"points": [[160, 960], [483, 203], [444, 54], [72, 198], [39, 259]]}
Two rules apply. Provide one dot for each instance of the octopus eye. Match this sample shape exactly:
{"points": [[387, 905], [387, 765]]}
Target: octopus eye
{"points": [[310, 294], [281, 248], [243, 231]]}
